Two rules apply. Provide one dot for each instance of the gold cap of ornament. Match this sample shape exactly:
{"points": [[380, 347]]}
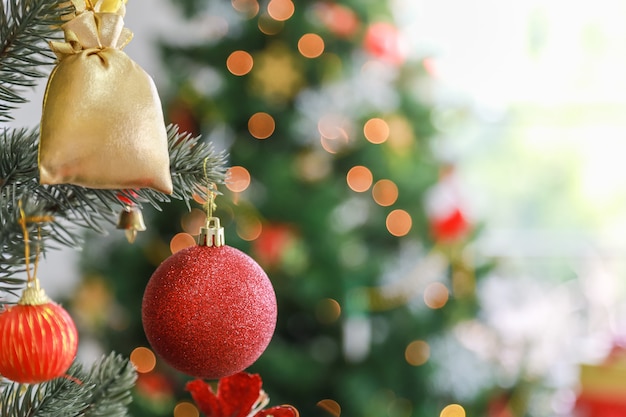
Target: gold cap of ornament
{"points": [[33, 295], [212, 234]]}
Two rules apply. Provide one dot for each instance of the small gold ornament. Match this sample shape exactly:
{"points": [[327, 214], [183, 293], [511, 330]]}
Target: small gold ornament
{"points": [[102, 124], [131, 221]]}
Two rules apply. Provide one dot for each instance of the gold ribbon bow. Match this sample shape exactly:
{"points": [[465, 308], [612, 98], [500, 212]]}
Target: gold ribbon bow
{"points": [[95, 26]]}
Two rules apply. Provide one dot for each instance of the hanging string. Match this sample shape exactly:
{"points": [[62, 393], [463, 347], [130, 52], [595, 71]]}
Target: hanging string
{"points": [[213, 233], [31, 278], [210, 205], [22, 221]]}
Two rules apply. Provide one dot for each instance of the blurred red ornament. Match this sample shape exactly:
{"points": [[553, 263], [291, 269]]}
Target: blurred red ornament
{"points": [[272, 243], [238, 395], [181, 114], [599, 407], [384, 41], [38, 339], [603, 387], [209, 311], [154, 386], [451, 227], [445, 209], [339, 19], [500, 407]]}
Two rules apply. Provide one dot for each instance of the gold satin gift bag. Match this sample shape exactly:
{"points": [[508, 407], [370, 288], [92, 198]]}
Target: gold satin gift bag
{"points": [[102, 124]]}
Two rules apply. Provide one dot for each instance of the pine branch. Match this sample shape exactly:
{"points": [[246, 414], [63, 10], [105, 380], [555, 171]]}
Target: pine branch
{"points": [[25, 28], [74, 207], [103, 391]]}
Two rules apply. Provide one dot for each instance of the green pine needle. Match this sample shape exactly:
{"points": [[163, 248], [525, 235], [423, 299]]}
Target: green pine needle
{"points": [[105, 390], [25, 28]]}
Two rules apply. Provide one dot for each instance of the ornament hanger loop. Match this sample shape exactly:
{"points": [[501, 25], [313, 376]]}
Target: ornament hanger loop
{"points": [[23, 222], [213, 233]]}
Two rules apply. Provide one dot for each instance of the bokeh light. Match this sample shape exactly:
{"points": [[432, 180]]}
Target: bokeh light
{"points": [[248, 7], [192, 221], [311, 45], [401, 135], [400, 407], [436, 295], [327, 310], [261, 125], [143, 359], [269, 26], [238, 179], [417, 352], [334, 135], [280, 10], [453, 410], [399, 223], [385, 192], [376, 130], [199, 199], [181, 241], [239, 63], [186, 409], [313, 165], [359, 178], [249, 227], [330, 406]]}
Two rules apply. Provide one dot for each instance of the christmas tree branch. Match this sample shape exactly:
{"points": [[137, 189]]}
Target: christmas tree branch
{"points": [[103, 391], [25, 28], [193, 163]]}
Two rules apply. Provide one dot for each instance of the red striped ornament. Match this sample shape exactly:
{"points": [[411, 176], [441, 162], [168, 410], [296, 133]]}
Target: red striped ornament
{"points": [[38, 339]]}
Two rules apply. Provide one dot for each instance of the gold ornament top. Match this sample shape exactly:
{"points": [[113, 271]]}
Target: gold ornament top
{"points": [[33, 295], [94, 26], [212, 234]]}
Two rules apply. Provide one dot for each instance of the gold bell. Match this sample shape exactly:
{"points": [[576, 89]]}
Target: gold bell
{"points": [[131, 221]]}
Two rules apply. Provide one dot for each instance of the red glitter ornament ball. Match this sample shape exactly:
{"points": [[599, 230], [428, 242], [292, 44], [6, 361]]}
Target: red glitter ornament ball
{"points": [[209, 311], [37, 342]]}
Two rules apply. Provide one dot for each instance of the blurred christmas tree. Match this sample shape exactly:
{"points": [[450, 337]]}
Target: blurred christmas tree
{"points": [[336, 189]]}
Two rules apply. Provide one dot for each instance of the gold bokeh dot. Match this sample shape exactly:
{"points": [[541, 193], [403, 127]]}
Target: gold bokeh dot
{"points": [[417, 352], [238, 179], [248, 7], [181, 241], [327, 310], [186, 409], [192, 221], [198, 198], [249, 228], [385, 192], [453, 410], [436, 295], [143, 359], [330, 406], [261, 125], [239, 63], [280, 10], [269, 26], [376, 130], [359, 178], [399, 223], [311, 45]]}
